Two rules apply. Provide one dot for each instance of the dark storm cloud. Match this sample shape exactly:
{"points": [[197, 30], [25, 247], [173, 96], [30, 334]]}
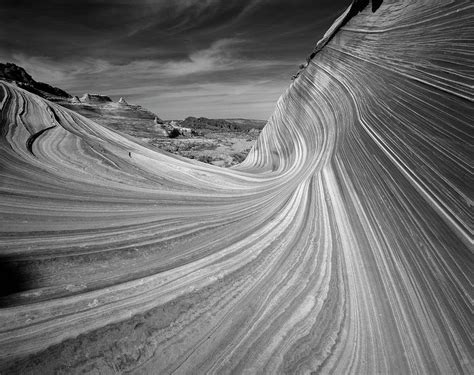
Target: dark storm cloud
{"points": [[170, 55]]}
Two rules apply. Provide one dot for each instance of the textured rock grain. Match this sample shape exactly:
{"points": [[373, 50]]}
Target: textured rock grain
{"points": [[342, 244]]}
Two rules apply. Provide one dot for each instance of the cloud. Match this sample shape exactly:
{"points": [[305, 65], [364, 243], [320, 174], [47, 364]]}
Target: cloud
{"points": [[54, 72], [216, 81], [186, 15], [219, 56], [179, 57]]}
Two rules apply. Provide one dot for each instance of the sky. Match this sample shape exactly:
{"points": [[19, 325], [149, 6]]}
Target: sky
{"points": [[178, 58]]}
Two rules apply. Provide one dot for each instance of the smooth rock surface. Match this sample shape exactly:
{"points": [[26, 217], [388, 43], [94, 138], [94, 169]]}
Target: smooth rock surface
{"points": [[342, 244]]}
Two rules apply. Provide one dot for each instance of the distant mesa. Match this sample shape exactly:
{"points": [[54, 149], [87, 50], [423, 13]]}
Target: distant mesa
{"points": [[203, 123], [122, 116], [206, 123], [96, 106], [95, 98]]}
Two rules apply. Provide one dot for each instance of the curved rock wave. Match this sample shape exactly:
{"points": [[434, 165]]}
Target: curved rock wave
{"points": [[343, 243]]}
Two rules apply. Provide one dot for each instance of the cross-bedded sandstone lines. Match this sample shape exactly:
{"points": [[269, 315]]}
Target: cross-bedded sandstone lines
{"points": [[342, 244]]}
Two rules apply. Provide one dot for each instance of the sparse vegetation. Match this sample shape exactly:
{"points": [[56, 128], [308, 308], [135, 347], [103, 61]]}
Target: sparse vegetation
{"points": [[174, 133]]}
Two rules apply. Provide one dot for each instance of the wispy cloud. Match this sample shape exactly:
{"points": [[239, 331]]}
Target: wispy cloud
{"points": [[53, 71], [179, 58], [219, 56], [175, 89]]}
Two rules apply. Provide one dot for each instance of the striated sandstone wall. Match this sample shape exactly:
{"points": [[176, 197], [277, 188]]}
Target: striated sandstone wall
{"points": [[343, 243]]}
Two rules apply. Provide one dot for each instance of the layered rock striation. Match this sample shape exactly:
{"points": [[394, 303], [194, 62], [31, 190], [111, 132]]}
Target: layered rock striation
{"points": [[342, 244]]}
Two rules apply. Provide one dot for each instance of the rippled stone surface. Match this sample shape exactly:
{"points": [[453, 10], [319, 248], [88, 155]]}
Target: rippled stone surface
{"points": [[343, 243]]}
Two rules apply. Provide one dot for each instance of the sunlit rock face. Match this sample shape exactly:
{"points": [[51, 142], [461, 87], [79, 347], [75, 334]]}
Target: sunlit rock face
{"points": [[94, 98], [342, 244]]}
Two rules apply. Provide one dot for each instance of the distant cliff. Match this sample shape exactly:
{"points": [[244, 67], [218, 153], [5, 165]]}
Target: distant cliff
{"points": [[95, 98], [203, 123], [206, 123], [92, 106], [16, 74]]}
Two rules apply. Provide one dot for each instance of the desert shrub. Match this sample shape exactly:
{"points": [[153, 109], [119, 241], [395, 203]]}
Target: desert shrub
{"points": [[205, 158], [174, 133], [239, 157]]}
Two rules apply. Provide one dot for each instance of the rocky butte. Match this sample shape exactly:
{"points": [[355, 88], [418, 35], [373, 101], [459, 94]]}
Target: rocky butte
{"points": [[214, 141], [12, 73], [341, 244]]}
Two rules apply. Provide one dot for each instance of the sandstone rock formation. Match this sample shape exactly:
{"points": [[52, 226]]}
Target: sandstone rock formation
{"points": [[206, 123], [342, 244], [16, 74], [94, 98], [75, 99], [126, 118]]}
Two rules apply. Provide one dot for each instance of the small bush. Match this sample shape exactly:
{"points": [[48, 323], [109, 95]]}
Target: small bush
{"points": [[174, 133], [205, 159]]}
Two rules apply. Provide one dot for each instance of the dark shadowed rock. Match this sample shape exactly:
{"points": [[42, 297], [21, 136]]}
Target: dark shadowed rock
{"points": [[16, 74]]}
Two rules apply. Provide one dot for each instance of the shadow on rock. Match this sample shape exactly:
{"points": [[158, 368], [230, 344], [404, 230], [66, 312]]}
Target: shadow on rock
{"points": [[13, 279], [361, 4], [376, 5]]}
